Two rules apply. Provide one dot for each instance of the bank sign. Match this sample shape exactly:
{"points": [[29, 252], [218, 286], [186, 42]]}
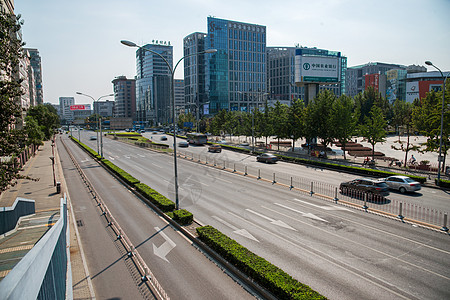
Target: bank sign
{"points": [[316, 69]]}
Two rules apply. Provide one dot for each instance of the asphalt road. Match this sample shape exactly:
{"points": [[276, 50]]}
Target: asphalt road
{"points": [[427, 197], [182, 270], [342, 253]]}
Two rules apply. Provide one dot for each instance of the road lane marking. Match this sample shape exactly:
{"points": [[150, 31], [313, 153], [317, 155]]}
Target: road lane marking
{"points": [[165, 248], [272, 221], [236, 230], [307, 215], [325, 207]]}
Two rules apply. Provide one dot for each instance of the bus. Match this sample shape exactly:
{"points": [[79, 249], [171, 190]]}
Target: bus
{"points": [[196, 138]]}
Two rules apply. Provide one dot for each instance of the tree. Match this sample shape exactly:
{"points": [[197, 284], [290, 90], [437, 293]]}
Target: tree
{"points": [[12, 140], [318, 117], [35, 136], [279, 120], [46, 119], [403, 117], [427, 119], [343, 120], [373, 129], [296, 121]]}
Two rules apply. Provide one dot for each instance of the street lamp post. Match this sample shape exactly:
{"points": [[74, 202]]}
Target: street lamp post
{"points": [[172, 72], [442, 119], [99, 151], [52, 158]]}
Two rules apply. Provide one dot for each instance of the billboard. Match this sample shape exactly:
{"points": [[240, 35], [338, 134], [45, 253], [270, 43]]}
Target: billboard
{"points": [[419, 89], [80, 107], [412, 91], [372, 80], [316, 69]]}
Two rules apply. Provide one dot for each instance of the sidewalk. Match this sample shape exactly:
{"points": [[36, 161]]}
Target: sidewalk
{"points": [[16, 244]]}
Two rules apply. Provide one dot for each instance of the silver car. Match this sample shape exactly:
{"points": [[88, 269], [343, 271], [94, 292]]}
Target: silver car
{"points": [[402, 183]]}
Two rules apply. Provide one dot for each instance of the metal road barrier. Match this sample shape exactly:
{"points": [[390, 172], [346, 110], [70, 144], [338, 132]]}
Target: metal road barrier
{"points": [[146, 274], [404, 211], [43, 273], [9, 216]]}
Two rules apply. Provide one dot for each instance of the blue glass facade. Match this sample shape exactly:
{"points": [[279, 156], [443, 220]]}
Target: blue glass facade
{"points": [[236, 73]]}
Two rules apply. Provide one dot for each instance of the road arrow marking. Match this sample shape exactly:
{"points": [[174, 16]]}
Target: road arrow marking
{"points": [[308, 215], [326, 207], [236, 230], [165, 248], [274, 222]]}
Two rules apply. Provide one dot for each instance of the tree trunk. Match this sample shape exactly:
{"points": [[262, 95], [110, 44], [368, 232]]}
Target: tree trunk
{"points": [[407, 145], [373, 151], [343, 144]]}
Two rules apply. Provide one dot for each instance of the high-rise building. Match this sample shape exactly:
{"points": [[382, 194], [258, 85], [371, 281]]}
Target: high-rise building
{"points": [[179, 94], [194, 72], [104, 108], [356, 75], [124, 97], [153, 84], [35, 61], [236, 73], [281, 72], [64, 108]]}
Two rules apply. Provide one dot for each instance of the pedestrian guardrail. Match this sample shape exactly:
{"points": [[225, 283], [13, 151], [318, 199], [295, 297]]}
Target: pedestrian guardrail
{"points": [[44, 272], [9, 216]]}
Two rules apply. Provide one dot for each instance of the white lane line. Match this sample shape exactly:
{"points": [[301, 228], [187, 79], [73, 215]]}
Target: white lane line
{"points": [[156, 165], [307, 215], [236, 230], [272, 221], [325, 207]]}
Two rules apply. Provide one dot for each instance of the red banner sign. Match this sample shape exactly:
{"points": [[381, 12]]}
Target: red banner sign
{"points": [[77, 107]]}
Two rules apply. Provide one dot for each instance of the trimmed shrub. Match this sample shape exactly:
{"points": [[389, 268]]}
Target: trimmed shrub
{"points": [[444, 183], [88, 149], [156, 198], [359, 170], [121, 173], [278, 282], [183, 217]]}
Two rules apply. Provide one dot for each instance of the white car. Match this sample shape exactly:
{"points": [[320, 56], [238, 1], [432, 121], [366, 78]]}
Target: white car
{"points": [[402, 183]]}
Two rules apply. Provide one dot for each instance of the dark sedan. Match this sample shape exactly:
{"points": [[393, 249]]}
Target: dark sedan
{"points": [[372, 187], [267, 158]]}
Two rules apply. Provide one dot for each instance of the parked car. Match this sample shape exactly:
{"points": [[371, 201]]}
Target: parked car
{"points": [[164, 138], [93, 137], [154, 132], [365, 185], [142, 131], [215, 148], [183, 144], [402, 183], [267, 158]]}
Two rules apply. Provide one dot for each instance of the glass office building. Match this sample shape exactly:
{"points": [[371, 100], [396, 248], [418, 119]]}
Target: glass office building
{"points": [[153, 104], [194, 72], [236, 73]]}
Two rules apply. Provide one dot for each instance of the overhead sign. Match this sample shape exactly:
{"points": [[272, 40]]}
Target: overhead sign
{"points": [[78, 107], [316, 69]]}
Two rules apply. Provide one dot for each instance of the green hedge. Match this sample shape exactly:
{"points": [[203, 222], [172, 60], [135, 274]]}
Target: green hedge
{"points": [[278, 282], [92, 152], [121, 173], [360, 170], [443, 183], [183, 217], [156, 198]]}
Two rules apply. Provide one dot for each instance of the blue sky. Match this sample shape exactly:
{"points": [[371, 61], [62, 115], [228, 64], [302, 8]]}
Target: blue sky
{"points": [[79, 41]]}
